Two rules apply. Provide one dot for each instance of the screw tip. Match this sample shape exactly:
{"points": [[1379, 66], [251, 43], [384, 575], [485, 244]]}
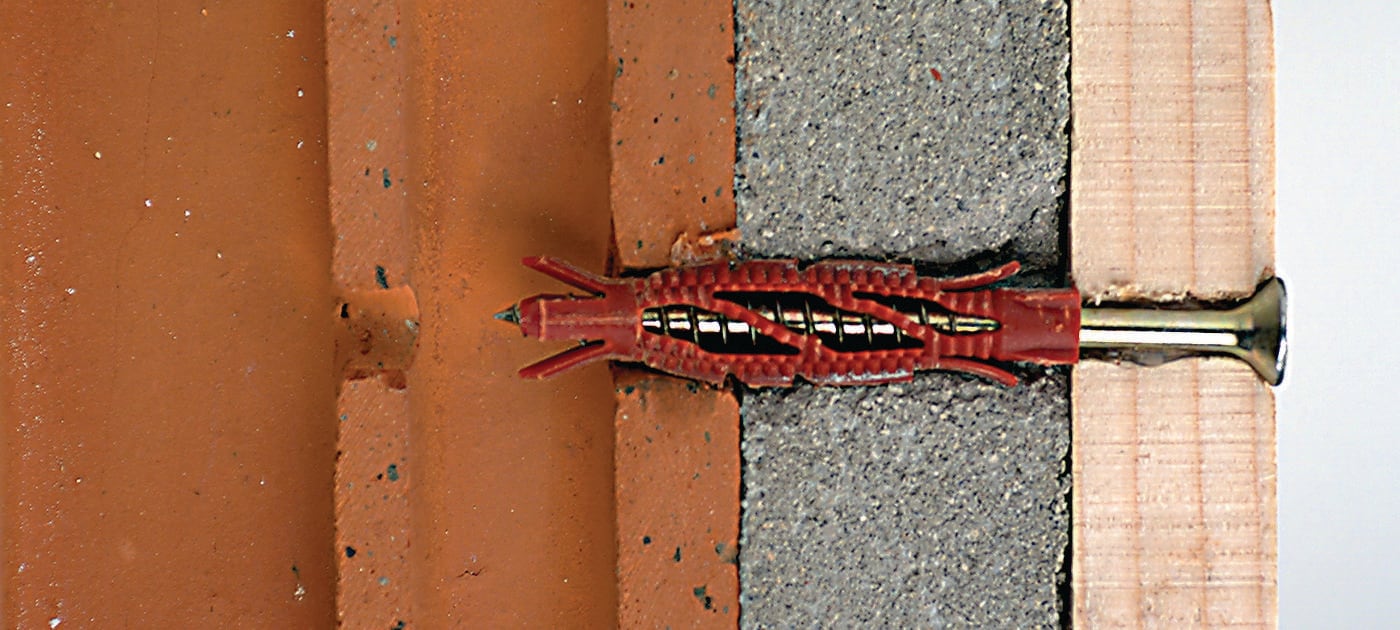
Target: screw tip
{"points": [[510, 315]]}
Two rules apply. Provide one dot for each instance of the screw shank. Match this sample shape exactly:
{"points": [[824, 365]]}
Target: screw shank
{"points": [[1254, 332]]}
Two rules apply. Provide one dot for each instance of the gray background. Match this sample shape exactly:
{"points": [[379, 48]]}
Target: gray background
{"points": [[1339, 251], [941, 502]]}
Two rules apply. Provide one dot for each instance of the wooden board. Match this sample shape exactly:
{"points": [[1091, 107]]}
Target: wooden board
{"points": [[1172, 193], [1172, 157]]}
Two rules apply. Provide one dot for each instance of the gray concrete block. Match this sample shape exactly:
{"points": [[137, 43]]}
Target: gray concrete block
{"points": [[934, 504], [942, 502], [849, 146]]}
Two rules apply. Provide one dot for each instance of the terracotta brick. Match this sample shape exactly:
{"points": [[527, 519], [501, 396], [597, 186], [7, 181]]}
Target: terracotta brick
{"points": [[512, 513], [672, 125], [677, 496], [168, 437], [672, 178], [177, 343], [373, 251]]}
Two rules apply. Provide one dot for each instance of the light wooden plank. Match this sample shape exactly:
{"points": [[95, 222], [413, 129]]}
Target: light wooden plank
{"points": [[1173, 154], [1174, 496], [1172, 194]]}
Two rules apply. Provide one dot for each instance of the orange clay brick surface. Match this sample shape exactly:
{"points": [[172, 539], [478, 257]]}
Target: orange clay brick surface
{"points": [[672, 125], [168, 434], [174, 451], [371, 255], [512, 521], [677, 471], [678, 445]]}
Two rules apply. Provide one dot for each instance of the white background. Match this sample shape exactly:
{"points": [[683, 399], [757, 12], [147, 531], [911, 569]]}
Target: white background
{"points": [[1339, 253]]}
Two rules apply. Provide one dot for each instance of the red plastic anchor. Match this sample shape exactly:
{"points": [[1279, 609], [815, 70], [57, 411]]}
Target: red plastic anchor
{"points": [[768, 322]]}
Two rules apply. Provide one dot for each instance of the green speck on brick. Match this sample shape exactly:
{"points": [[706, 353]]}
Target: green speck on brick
{"points": [[699, 592], [393, 41], [380, 278], [711, 92], [639, 244], [387, 181], [383, 581], [392, 472], [677, 557], [646, 540], [707, 437]]}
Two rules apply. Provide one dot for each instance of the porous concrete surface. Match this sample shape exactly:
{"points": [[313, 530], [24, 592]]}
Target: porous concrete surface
{"points": [[941, 502], [849, 145]]}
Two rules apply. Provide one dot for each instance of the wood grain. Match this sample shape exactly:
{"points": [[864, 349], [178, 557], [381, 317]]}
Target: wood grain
{"points": [[1174, 496], [1172, 194], [1172, 162]]}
